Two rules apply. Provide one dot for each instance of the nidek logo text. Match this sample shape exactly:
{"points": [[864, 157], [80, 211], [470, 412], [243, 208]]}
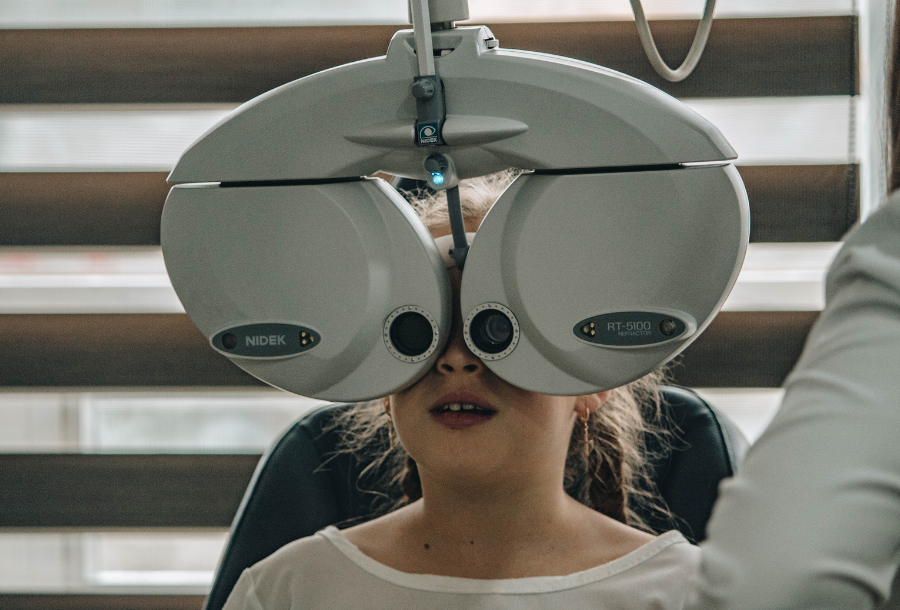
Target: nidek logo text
{"points": [[263, 340], [428, 133]]}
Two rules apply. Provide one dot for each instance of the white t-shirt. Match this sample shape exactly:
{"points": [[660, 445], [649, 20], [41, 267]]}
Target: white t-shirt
{"points": [[327, 572]]}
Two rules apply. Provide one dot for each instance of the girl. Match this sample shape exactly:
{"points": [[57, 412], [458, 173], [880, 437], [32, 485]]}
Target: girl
{"points": [[486, 520]]}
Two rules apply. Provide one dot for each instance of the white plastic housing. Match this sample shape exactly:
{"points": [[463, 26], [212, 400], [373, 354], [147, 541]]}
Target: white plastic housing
{"points": [[334, 258], [556, 250], [505, 108], [340, 258]]}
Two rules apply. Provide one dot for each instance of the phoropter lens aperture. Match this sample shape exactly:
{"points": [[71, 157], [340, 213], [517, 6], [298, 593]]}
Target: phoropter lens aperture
{"points": [[491, 331], [411, 334]]}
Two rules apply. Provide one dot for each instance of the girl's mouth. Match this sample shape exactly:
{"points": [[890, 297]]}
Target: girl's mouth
{"points": [[458, 415]]}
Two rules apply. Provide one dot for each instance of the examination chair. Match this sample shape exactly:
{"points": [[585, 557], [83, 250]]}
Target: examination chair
{"points": [[300, 486]]}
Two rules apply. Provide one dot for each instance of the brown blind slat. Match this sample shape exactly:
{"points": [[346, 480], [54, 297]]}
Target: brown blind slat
{"points": [[795, 203], [78, 601], [102, 491], [81, 208], [111, 350], [745, 350], [739, 349], [801, 203], [744, 57]]}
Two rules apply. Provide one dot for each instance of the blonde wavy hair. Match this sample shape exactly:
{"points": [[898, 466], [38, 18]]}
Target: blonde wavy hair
{"points": [[609, 473]]}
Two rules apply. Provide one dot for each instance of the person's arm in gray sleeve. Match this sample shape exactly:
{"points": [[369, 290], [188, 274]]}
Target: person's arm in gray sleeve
{"points": [[812, 519]]}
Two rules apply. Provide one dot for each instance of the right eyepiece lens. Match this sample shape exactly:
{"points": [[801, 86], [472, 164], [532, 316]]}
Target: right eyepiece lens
{"points": [[491, 331]]}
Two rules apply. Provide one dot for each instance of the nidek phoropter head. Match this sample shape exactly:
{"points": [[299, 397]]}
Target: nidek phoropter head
{"points": [[604, 261]]}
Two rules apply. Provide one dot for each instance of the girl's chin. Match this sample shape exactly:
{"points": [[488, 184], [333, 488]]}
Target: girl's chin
{"points": [[469, 475], [465, 463]]}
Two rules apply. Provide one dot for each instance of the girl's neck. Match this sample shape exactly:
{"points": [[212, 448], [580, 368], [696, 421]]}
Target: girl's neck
{"points": [[494, 531], [506, 516]]}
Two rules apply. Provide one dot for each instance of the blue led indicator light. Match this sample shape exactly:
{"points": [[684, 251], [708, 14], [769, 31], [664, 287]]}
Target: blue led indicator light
{"points": [[437, 178]]}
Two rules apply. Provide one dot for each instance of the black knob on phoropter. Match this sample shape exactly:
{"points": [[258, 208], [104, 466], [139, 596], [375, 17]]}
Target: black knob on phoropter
{"points": [[229, 341], [668, 327], [437, 164], [423, 89]]}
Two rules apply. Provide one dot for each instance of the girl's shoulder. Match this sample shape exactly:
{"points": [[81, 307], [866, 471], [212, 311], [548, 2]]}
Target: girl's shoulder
{"points": [[309, 550], [307, 564]]}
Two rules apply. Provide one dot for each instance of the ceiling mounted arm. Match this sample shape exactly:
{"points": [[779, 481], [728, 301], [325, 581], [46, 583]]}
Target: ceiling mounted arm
{"points": [[421, 21]]}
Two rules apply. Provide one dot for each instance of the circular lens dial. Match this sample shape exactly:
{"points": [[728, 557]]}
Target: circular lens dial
{"points": [[411, 333], [491, 331]]}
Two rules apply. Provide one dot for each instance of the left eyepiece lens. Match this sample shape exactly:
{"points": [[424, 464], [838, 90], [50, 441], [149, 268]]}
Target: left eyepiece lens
{"points": [[491, 331], [411, 334]]}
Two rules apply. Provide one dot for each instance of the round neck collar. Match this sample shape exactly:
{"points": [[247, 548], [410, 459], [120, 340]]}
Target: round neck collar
{"points": [[526, 585]]}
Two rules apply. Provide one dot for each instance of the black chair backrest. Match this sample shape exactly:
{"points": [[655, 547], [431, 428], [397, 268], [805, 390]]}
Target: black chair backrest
{"points": [[292, 494]]}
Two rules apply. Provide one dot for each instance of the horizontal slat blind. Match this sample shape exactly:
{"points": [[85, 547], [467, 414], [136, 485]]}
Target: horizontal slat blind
{"points": [[801, 203], [108, 491], [745, 349], [780, 57], [793, 203], [744, 57], [101, 138], [739, 349], [119, 350], [81, 208], [80, 601]]}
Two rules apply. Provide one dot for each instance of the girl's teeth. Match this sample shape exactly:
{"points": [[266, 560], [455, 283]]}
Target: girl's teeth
{"points": [[459, 406]]}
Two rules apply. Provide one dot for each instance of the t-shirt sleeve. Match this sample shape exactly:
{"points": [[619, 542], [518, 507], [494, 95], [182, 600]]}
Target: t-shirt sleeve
{"points": [[243, 596], [812, 519]]}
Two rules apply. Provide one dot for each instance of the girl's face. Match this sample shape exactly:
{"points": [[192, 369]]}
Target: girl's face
{"points": [[461, 422]]}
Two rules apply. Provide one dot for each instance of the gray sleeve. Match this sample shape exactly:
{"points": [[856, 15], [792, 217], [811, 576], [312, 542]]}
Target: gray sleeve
{"points": [[243, 596], [812, 519]]}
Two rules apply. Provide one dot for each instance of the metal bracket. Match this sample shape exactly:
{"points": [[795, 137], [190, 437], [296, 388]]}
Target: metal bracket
{"points": [[431, 110]]}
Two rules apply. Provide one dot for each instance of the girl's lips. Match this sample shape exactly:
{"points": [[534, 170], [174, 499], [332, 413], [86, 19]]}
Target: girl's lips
{"points": [[458, 410], [461, 398], [458, 420]]}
